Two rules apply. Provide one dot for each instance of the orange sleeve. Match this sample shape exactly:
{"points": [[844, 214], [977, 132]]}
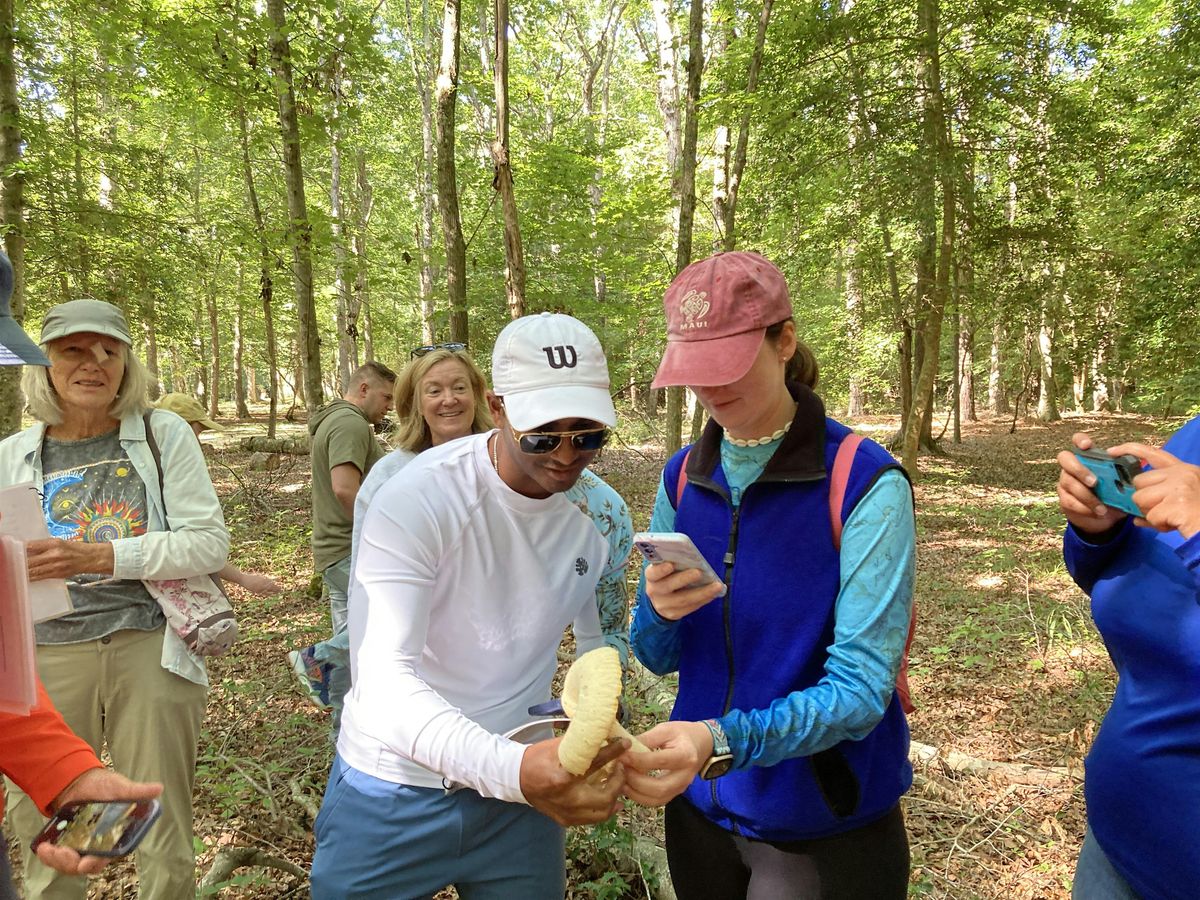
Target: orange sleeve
{"points": [[40, 753]]}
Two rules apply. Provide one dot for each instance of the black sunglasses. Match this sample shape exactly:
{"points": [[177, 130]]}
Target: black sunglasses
{"points": [[452, 346], [586, 441]]}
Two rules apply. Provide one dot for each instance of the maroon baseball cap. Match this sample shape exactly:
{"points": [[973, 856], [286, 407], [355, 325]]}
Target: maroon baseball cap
{"points": [[718, 310]]}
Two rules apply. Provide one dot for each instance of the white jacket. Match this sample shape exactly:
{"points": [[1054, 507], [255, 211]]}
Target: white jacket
{"points": [[197, 542]]}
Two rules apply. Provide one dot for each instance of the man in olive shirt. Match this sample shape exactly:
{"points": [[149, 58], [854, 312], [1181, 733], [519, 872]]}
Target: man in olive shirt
{"points": [[343, 450]]}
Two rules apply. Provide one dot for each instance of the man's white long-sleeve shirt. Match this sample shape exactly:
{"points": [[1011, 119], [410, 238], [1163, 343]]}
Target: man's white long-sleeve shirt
{"points": [[463, 588]]}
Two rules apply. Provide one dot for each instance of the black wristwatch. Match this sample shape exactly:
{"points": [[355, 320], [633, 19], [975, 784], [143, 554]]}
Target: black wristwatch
{"points": [[721, 760]]}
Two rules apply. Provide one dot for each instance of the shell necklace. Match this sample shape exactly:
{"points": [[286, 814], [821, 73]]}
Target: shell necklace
{"points": [[758, 442]]}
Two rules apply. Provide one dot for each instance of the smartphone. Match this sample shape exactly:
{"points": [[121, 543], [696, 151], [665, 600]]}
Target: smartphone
{"points": [[100, 827], [1114, 478], [677, 548]]}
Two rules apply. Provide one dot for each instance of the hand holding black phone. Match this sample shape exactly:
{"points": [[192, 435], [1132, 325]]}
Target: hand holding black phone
{"points": [[99, 827]]}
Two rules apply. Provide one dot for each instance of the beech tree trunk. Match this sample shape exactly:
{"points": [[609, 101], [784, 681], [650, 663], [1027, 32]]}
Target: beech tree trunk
{"points": [[597, 60], [446, 94], [687, 194], [1048, 394], [938, 169], [150, 334], [346, 315], [299, 228], [364, 204], [425, 170], [13, 208], [738, 163], [514, 258], [240, 373]]}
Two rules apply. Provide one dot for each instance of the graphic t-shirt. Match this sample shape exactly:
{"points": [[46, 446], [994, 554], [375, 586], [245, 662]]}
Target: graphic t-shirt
{"points": [[92, 493]]}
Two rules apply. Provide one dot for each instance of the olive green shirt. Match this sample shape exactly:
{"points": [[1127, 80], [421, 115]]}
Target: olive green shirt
{"points": [[340, 434]]}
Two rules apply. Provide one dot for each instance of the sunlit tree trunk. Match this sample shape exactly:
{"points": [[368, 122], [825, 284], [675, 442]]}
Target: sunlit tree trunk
{"points": [[365, 202], [687, 194], [240, 371], [933, 273], [419, 64], [446, 94], [514, 257], [346, 315], [738, 162], [299, 230], [12, 209], [1048, 395], [597, 60]]}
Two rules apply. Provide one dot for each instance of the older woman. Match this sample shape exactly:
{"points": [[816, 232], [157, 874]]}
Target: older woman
{"points": [[439, 396], [119, 677]]}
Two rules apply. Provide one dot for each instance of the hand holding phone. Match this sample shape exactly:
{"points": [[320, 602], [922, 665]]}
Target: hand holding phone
{"points": [[1114, 478], [676, 548], [676, 595], [99, 827]]}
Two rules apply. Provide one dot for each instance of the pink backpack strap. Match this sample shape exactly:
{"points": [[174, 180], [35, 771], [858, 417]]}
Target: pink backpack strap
{"points": [[838, 479], [682, 482]]}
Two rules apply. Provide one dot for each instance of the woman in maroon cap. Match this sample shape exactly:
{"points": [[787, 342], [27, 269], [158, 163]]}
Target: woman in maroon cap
{"points": [[787, 753]]}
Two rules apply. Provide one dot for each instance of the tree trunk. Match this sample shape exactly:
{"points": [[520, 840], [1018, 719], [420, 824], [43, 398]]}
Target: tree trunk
{"points": [[997, 395], [424, 171], [13, 208], [83, 272], [667, 89], [1048, 395], [1100, 384], [738, 164], [956, 387], [937, 145], [346, 316], [597, 59], [299, 229], [364, 204], [446, 95], [150, 332], [856, 404], [239, 353], [687, 195], [266, 286], [214, 339], [266, 283], [514, 258]]}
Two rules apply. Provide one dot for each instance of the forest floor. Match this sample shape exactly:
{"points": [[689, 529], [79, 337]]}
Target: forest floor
{"points": [[1006, 667]]}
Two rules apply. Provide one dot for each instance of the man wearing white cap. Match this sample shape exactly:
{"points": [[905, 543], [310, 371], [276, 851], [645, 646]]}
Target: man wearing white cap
{"points": [[472, 562]]}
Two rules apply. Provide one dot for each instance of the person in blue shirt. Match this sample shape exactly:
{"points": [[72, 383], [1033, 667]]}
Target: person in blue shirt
{"points": [[787, 751], [1142, 775]]}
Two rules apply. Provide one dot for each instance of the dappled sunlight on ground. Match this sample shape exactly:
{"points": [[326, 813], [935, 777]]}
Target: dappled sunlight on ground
{"points": [[1006, 667]]}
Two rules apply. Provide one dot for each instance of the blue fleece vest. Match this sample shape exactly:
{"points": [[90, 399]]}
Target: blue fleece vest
{"points": [[769, 634]]}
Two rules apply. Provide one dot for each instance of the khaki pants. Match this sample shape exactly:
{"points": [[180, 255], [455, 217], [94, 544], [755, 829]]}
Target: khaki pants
{"points": [[114, 692]]}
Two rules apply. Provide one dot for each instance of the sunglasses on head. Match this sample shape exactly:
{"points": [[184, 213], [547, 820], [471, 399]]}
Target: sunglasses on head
{"points": [[586, 441], [452, 346]]}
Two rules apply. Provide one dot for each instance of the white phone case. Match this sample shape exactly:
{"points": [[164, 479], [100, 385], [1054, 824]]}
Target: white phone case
{"points": [[677, 548]]}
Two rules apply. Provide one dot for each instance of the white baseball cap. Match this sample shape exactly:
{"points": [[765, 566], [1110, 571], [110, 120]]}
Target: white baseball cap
{"points": [[551, 366]]}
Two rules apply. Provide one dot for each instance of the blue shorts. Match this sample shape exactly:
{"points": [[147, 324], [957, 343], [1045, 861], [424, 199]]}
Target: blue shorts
{"points": [[393, 842]]}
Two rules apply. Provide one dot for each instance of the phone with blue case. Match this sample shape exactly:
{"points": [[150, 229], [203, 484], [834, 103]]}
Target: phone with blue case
{"points": [[1114, 478]]}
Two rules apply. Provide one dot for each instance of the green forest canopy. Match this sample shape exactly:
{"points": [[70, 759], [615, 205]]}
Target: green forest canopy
{"points": [[1069, 155]]}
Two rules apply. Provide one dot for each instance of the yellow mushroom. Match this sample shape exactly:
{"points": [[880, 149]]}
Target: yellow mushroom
{"points": [[590, 697]]}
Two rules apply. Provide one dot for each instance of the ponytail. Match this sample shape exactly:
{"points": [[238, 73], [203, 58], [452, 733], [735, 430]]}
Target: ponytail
{"points": [[802, 367]]}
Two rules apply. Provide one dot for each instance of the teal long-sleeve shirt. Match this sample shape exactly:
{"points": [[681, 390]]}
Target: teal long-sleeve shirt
{"points": [[872, 614]]}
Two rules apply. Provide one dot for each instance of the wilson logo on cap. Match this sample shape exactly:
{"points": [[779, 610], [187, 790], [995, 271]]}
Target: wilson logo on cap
{"points": [[694, 307], [561, 352]]}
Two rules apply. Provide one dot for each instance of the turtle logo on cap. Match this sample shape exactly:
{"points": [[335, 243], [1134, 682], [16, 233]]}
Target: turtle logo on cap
{"points": [[694, 307]]}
